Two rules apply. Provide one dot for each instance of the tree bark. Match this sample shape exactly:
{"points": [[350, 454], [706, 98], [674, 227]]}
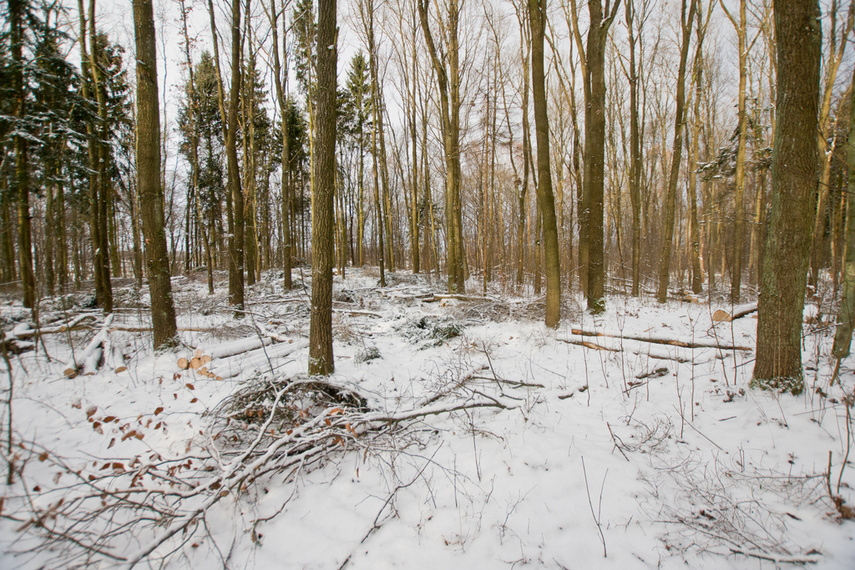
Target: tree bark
{"points": [[846, 315], [794, 182], [22, 166], [148, 167], [280, 80], [236, 239], [449, 92], [320, 327], [545, 198], [595, 136], [686, 22]]}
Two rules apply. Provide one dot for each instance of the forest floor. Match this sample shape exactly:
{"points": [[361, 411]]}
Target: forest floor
{"points": [[455, 433]]}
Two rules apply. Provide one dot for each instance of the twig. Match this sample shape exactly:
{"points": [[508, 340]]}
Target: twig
{"points": [[591, 504], [376, 524], [777, 558], [616, 439]]}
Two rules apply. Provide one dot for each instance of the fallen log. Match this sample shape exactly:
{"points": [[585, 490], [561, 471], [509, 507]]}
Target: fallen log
{"points": [[591, 345], [667, 341]]}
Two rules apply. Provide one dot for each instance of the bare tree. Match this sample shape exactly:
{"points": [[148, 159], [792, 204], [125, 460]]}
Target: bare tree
{"points": [[447, 71], [592, 206], [794, 182], [545, 198], [148, 167], [320, 326]]}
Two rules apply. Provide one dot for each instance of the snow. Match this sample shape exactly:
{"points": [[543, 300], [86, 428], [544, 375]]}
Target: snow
{"points": [[489, 440]]}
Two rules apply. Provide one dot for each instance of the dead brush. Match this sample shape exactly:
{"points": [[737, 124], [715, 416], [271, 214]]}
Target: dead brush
{"points": [[277, 406], [713, 508]]}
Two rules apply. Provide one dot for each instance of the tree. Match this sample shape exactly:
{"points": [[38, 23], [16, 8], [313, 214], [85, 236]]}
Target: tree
{"points": [[592, 210], [741, 28], [17, 14], [148, 167], [320, 324], [846, 314], [236, 237], [192, 129], [448, 76], [545, 198], [794, 183], [280, 81], [359, 101], [686, 22]]}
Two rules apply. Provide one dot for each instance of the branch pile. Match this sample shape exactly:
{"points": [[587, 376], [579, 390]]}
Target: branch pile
{"points": [[144, 508]]}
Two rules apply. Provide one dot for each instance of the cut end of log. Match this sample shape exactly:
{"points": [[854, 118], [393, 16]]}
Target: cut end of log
{"points": [[195, 363], [721, 316], [198, 353], [205, 359], [183, 364]]}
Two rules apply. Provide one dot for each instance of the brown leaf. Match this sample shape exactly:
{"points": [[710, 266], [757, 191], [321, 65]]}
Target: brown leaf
{"points": [[112, 443], [158, 410], [43, 456]]}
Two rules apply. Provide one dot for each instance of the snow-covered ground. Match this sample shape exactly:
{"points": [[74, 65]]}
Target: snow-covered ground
{"points": [[473, 437]]}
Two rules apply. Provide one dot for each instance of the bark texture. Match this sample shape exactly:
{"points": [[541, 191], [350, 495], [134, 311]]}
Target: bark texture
{"points": [[794, 184], [320, 326], [545, 197], [148, 166]]}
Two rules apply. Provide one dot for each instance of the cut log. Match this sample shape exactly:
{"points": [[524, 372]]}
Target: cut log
{"points": [[195, 363], [255, 361], [233, 347], [118, 360], [183, 363], [721, 316]]}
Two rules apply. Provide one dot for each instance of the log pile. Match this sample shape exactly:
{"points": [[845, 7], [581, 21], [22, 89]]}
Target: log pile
{"points": [[101, 351]]}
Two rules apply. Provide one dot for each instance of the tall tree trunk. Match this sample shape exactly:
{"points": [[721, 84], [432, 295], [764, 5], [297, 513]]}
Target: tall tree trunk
{"points": [[832, 65], [741, 28], [236, 238], [794, 182], [686, 22], [449, 91], [22, 165], [634, 151], [92, 155], [280, 81], [249, 166], [148, 166], [102, 196], [545, 198], [846, 315], [320, 327], [595, 135], [194, 150], [415, 237]]}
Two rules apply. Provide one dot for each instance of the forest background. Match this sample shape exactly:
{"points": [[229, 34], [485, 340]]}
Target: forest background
{"points": [[457, 125]]}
